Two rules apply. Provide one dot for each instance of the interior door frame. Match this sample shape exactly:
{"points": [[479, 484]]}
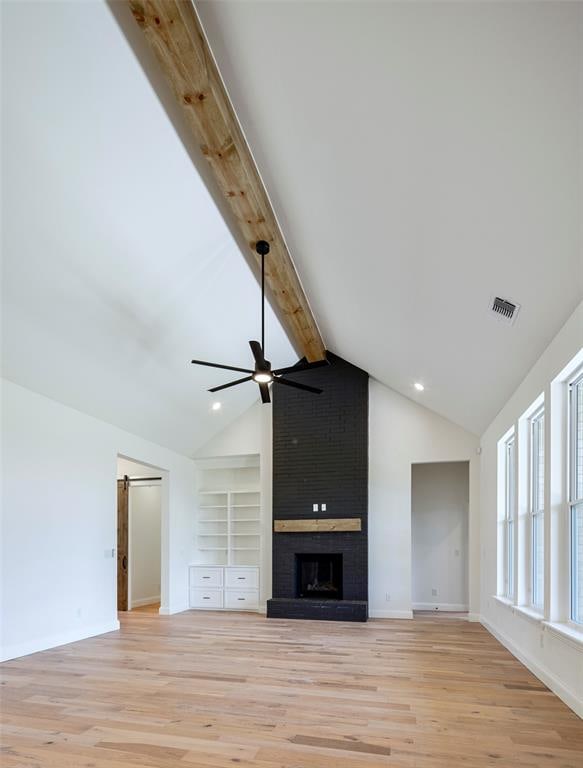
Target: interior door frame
{"points": [[467, 514], [164, 531], [123, 544]]}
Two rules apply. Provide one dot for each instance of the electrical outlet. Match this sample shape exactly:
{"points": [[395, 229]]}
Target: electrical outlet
{"points": [[323, 507], [388, 597], [314, 507], [434, 592]]}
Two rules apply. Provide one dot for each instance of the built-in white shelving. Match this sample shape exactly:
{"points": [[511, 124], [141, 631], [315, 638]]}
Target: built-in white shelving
{"points": [[228, 537], [228, 519]]}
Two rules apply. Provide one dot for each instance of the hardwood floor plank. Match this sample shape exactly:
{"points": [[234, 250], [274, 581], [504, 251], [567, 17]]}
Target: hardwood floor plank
{"points": [[215, 689]]}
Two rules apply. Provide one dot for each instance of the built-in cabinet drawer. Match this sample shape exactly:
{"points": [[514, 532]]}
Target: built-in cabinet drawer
{"points": [[233, 588], [202, 576], [237, 600], [206, 598], [241, 578]]}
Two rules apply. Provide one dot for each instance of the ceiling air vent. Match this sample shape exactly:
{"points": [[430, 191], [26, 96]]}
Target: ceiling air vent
{"points": [[504, 309]]}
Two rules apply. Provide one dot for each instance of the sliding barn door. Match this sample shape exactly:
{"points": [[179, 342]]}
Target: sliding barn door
{"points": [[122, 544]]}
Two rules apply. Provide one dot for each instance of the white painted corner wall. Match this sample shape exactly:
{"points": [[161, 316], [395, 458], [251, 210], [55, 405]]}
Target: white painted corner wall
{"points": [[403, 433], [556, 660], [59, 508]]}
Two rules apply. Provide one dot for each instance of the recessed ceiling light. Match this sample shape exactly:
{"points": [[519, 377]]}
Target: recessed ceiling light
{"points": [[419, 386], [216, 406]]}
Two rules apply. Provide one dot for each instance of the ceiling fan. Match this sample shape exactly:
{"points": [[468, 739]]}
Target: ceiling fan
{"points": [[262, 373]]}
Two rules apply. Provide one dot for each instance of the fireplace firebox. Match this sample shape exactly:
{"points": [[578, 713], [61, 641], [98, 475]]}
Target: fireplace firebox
{"points": [[319, 576]]}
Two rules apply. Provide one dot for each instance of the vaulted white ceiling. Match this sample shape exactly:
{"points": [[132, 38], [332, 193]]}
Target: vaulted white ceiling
{"points": [[421, 157], [117, 267]]}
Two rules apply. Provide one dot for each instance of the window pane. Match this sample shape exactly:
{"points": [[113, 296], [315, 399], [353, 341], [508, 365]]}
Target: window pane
{"points": [[577, 563], [510, 563], [538, 463], [578, 447], [510, 495], [537, 509], [538, 559]]}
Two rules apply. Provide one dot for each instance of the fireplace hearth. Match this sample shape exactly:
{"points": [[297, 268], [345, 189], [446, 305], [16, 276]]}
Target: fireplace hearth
{"points": [[319, 576]]}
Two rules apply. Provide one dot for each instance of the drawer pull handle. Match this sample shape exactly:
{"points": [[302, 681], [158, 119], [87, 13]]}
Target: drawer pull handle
{"points": [[241, 578], [240, 598], [206, 577], [206, 598]]}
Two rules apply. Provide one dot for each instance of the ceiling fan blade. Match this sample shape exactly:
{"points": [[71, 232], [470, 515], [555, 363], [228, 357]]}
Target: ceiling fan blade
{"points": [[302, 366], [264, 389], [257, 353], [218, 365], [305, 387], [231, 384]]}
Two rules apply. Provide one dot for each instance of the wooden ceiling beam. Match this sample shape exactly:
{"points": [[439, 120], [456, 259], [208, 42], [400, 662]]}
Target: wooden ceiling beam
{"points": [[175, 35]]}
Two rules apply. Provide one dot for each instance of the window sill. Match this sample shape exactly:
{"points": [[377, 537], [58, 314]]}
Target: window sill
{"points": [[529, 613], [567, 632], [503, 601]]}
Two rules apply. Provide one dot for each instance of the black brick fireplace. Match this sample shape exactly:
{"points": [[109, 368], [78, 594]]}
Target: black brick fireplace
{"points": [[320, 456]]}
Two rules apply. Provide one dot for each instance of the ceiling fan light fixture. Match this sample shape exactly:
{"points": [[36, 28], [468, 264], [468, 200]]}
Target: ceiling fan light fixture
{"points": [[263, 377], [262, 374]]}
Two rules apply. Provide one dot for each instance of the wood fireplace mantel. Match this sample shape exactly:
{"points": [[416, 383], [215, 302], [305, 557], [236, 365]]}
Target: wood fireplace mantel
{"points": [[319, 525]]}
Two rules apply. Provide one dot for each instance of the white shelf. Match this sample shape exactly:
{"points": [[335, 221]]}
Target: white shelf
{"points": [[213, 493], [213, 549], [230, 489], [244, 490]]}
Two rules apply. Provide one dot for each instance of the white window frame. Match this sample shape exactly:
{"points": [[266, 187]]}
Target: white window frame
{"points": [[537, 502], [509, 518], [574, 501]]}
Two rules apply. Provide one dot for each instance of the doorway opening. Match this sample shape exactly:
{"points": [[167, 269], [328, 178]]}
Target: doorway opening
{"points": [[439, 538], [139, 536]]}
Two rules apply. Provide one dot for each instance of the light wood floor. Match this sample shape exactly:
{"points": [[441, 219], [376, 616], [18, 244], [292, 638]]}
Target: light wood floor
{"points": [[205, 690]]}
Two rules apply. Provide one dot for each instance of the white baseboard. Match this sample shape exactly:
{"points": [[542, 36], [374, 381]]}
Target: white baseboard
{"points": [[543, 674], [54, 641], [166, 610], [378, 614], [474, 617], [440, 607], [145, 601]]}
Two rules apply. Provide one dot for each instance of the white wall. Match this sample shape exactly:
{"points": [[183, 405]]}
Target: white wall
{"points": [[402, 433], [439, 532], [241, 437], [557, 660], [250, 434], [145, 520], [59, 521]]}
